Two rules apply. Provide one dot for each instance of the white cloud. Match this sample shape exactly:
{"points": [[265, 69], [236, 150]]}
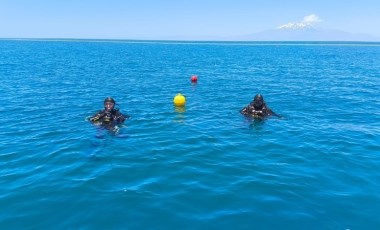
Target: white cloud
{"points": [[308, 22]]}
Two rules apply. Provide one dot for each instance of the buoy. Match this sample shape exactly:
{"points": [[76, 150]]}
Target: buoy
{"points": [[179, 100], [194, 79]]}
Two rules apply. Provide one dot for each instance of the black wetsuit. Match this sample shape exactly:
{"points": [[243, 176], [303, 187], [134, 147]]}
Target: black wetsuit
{"points": [[108, 118], [262, 112]]}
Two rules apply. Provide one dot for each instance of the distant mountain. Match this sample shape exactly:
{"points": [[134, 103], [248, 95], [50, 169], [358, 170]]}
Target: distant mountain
{"points": [[292, 33], [287, 32]]}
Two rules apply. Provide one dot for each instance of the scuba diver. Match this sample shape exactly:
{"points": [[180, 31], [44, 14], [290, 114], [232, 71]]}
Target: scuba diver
{"points": [[109, 117], [258, 108]]}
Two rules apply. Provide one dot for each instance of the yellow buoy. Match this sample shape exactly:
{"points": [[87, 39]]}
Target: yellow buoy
{"points": [[179, 100]]}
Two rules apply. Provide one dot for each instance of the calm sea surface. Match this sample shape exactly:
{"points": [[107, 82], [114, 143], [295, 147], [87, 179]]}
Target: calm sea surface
{"points": [[202, 167]]}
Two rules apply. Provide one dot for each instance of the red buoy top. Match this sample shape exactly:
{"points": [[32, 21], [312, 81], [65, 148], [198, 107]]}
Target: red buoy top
{"points": [[194, 78]]}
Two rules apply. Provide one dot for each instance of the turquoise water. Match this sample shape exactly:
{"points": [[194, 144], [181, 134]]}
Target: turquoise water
{"points": [[204, 167]]}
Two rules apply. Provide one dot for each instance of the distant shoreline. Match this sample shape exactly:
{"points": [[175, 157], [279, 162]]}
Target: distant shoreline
{"points": [[218, 42]]}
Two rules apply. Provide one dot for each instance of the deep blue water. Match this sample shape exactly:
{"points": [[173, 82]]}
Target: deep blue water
{"points": [[204, 167]]}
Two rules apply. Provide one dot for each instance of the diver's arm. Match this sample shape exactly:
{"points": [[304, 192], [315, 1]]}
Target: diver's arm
{"points": [[270, 112], [120, 118], [275, 114], [248, 110], [244, 111], [97, 116]]}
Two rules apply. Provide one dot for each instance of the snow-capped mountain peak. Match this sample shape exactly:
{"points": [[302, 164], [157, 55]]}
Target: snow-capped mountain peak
{"points": [[297, 26]]}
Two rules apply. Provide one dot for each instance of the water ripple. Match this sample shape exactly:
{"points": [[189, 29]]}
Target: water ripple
{"points": [[204, 165]]}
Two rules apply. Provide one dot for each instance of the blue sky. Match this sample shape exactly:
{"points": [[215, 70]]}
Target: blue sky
{"points": [[149, 19]]}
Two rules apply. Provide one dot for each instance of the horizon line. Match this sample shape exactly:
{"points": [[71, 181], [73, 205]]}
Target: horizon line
{"points": [[187, 41]]}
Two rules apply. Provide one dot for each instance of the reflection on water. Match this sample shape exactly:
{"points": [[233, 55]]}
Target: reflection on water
{"points": [[180, 113], [179, 109]]}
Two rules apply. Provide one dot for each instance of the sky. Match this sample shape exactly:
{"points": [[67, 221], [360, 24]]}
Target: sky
{"points": [[192, 19]]}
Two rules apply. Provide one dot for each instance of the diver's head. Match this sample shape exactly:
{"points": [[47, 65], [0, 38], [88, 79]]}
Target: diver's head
{"points": [[109, 103], [258, 102]]}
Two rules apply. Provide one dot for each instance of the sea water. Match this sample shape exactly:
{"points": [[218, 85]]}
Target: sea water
{"points": [[204, 166]]}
